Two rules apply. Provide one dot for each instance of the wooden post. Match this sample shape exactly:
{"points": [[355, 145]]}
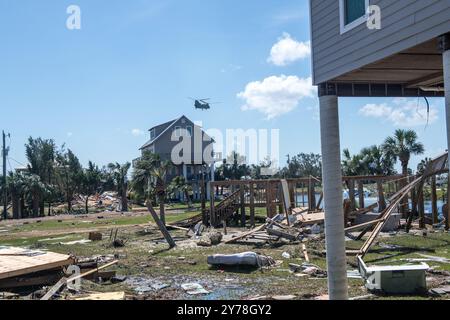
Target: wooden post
{"points": [[203, 198], [446, 210], [361, 194], [351, 194], [242, 203], [421, 205], [279, 196], [268, 199], [414, 201], [434, 206], [252, 205], [212, 214], [381, 199], [312, 195], [292, 194], [224, 222], [161, 225], [347, 210]]}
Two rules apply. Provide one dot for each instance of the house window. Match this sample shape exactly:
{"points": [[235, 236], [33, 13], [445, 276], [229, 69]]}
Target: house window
{"points": [[189, 131], [352, 13], [152, 134], [177, 132]]}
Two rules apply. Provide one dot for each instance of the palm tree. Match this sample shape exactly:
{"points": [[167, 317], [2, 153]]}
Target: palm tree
{"points": [[69, 174], [40, 154], [376, 162], [36, 189], [353, 165], [91, 182], [16, 185], [401, 147], [120, 175], [179, 184], [149, 179], [159, 173]]}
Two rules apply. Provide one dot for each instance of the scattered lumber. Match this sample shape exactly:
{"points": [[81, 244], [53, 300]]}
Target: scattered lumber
{"points": [[246, 234], [64, 281], [281, 234], [16, 262], [311, 219], [365, 210], [108, 296], [55, 289], [363, 225], [177, 228], [84, 275], [297, 211], [305, 253]]}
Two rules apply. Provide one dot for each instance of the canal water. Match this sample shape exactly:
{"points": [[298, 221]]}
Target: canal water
{"points": [[371, 200]]}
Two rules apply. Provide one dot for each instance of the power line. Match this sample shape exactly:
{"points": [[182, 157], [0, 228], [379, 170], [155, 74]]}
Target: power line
{"points": [[18, 162]]}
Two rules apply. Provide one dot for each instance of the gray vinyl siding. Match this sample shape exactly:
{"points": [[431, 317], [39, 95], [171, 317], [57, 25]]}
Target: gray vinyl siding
{"points": [[164, 144], [405, 23]]}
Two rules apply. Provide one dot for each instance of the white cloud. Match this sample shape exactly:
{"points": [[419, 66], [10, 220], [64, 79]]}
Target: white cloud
{"points": [[402, 113], [137, 132], [276, 95], [69, 134], [288, 50]]}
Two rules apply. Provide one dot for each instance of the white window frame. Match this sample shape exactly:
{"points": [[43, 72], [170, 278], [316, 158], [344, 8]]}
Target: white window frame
{"points": [[347, 27], [152, 134]]}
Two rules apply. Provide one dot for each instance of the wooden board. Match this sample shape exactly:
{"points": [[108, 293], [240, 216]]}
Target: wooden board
{"points": [[311, 218], [18, 261], [108, 296]]}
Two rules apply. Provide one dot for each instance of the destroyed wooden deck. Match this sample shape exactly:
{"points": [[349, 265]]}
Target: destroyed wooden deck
{"points": [[18, 262]]}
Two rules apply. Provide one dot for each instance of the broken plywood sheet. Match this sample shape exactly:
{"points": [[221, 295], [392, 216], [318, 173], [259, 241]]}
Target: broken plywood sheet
{"points": [[310, 218], [18, 261]]}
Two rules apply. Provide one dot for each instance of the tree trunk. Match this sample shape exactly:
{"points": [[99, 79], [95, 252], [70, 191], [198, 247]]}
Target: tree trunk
{"points": [[162, 213], [188, 199], [22, 213], [87, 204], [42, 209], [15, 205], [69, 202], [404, 182], [36, 202], [381, 198], [124, 203], [124, 198]]}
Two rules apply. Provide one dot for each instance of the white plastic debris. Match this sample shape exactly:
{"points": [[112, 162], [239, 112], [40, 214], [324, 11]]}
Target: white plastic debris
{"points": [[194, 289], [286, 255]]}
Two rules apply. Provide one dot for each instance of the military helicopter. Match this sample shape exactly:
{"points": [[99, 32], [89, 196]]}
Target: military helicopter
{"points": [[202, 104]]}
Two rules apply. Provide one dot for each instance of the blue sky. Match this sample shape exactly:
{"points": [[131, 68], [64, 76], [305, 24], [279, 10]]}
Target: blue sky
{"points": [[134, 63]]}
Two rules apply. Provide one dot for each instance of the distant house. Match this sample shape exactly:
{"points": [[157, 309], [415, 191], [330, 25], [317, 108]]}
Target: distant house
{"points": [[165, 137]]}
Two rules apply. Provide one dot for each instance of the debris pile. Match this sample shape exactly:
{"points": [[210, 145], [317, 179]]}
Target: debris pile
{"points": [[45, 275]]}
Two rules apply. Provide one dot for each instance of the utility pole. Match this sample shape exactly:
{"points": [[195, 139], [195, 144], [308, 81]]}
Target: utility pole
{"points": [[5, 193]]}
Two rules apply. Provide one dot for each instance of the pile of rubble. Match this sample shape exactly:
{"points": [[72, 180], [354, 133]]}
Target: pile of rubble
{"points": [[44, 275], [107, 201]]}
